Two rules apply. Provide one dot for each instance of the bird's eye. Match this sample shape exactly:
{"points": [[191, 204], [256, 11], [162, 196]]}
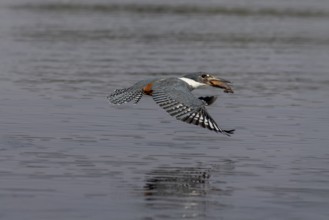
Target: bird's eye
{"points": [[204, 75]]}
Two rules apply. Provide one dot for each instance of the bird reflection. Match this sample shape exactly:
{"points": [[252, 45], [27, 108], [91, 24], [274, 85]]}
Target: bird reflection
{"points": [[178, 192], [182, 181]]}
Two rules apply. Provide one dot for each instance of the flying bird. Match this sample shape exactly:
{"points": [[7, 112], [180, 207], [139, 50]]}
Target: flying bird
{"points": [[175, 96]]}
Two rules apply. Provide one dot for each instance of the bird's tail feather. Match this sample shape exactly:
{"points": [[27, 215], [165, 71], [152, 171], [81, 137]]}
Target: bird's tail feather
{"points": [[121, 96]]}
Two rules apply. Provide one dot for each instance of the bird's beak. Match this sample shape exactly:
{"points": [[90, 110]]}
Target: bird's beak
{"points": [[220, 83]]}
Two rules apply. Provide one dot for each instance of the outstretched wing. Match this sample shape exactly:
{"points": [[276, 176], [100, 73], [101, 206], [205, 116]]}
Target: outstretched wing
{"points": [[174, 96], [133, 93], [208, 100]]}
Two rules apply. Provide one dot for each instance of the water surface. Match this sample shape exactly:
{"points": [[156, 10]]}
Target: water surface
{"points": [[65, 153]]}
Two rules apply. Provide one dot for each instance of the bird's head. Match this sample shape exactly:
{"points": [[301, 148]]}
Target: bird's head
{"points": [[208, 79]]}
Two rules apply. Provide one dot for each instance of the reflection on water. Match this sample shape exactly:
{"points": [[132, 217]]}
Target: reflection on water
{"points": [[175, 192], [65, 153], [176, 182]]}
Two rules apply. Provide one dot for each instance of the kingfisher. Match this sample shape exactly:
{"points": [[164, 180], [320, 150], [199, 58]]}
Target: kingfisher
{"points": [[175, 96]]}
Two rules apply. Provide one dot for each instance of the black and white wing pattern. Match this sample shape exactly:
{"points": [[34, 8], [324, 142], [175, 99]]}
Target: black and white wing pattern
{"points": [[174, 96], [133, 93]]}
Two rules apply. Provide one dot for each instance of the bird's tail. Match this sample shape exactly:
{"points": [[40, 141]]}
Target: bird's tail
{"points": [[121, 96]]}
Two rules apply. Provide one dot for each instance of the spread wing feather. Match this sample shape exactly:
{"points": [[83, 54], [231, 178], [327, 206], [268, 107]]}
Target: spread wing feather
{"points": [[174, 96]]}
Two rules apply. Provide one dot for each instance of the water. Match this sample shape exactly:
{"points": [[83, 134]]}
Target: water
{"points": [[65, 153]]}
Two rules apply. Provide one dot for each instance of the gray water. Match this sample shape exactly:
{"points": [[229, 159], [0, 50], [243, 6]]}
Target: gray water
{"points": [[66, 153]]}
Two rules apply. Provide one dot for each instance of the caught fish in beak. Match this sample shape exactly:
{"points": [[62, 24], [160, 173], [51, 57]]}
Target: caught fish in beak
{"points": [[221, 83]]}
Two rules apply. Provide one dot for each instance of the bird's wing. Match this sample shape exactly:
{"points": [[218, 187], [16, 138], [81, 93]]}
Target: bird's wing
{"points": [[133, 93], [208, 100], [174, 96]]}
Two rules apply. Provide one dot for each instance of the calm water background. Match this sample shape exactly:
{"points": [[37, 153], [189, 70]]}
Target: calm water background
{"points": [[65, 153]]}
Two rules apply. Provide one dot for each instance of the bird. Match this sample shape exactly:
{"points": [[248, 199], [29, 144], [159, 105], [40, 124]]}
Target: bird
{"points": [[174, 95]]}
